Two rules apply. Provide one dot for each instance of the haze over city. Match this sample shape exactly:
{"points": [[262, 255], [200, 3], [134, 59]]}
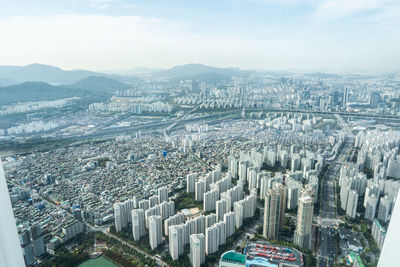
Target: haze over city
{"points": [[334, 35]]}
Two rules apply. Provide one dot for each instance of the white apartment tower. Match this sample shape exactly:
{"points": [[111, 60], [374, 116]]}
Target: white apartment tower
{"points": [[138, 224], [162, 194], [303, 233], [176, 241], [190, 183], [155, 231], [221, 209], [197, 249]]}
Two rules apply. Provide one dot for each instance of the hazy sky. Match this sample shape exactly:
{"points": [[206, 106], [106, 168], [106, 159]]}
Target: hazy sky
{"points": [[250, 34]]}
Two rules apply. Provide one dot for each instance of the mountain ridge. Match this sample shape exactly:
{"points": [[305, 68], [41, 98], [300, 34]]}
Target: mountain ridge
{"points": [[195, 69], [44, 73]]}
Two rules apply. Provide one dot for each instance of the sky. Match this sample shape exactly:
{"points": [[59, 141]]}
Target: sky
{"points": [[333, 35]]}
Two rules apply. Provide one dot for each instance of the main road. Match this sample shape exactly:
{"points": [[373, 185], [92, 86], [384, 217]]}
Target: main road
{"points": [[328, 218]]}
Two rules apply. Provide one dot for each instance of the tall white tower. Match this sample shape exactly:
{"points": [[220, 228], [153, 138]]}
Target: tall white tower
{"points": [[10, 250], [303, 233]]}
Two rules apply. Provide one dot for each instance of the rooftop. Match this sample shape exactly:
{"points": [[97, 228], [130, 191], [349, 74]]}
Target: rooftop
{"points": [[275, 254], [259, 262], [232, 256]]}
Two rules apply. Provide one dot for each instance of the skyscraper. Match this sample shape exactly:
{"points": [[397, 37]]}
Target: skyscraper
{"points": [[199, 190], [374, 99], [229, 219], [176, 241], [303, 233], [352, 201], [176, 219], [275, 203], [10, 249], [225, 196], [190, 182], [385, 204], [345, 97], [370, 209], [221, 232], [118, 216], [238, 210], [155, 231], [162, 194], [197, 249], [233, 166], [220, 209], [138, 224], [209, 200], [37, 240], [212, 240], [153, 201], [144, 204], [122, 214], [26, 245]]}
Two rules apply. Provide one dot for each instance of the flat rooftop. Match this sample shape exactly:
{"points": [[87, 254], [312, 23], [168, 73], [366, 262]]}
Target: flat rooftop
{"points": [[274, 253]]}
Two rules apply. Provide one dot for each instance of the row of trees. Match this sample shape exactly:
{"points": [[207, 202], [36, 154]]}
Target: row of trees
{"points": [[121, 250]]}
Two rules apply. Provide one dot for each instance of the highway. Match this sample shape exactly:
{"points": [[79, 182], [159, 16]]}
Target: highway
{"points": [[328, 218], [13, 147], [360, 115]]}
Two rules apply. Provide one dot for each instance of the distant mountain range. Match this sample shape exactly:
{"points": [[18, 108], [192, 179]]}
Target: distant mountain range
{"points": [[36, 91], [191, 70], [43, 73], [99, 84], [134, 71], [10, 75]]}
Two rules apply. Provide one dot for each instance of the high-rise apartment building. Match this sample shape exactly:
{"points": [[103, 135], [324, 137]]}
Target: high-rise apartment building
{"points": [[37, 240], [197, 249], [155, 231], [352, 202], [370, 209], [176, 240], [212, 239], [303, 233], [220, 209], [138, 224], [190, 183], [229, 219], [162, 193], [199, 190], [274, 210], [385, 205]]}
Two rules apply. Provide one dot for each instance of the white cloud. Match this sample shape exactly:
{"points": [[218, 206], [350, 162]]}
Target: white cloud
{"points": [[115, 42], [102, 6], [335, 9]]}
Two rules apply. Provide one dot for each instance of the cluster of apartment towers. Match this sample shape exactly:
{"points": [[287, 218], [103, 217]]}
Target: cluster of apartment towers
{"points": [[379, 152], [205, 233]]}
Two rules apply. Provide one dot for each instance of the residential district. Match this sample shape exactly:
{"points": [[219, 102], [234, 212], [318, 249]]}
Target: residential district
{"points": [[255, 174]]}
